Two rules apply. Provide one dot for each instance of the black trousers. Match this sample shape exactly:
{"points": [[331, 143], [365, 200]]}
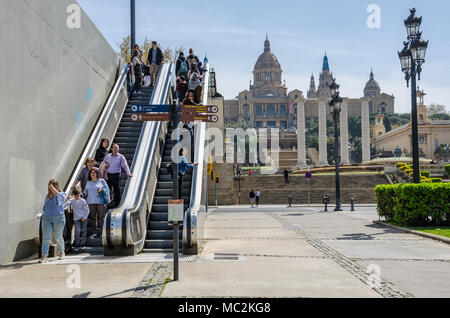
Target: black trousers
{"points": [[137, 83], [114, 180]]}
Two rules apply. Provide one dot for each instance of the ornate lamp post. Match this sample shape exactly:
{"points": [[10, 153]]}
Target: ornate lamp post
{"points": [[335, 109], [412, 58]]}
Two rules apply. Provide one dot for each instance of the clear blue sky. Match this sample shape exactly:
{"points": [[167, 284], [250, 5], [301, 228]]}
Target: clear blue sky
{"points": [[232, 34]]}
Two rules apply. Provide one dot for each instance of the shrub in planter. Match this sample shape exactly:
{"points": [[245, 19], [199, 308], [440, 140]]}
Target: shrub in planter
{"points": [[403, 168], [447, 170], [436, 180], [415, 204], [425, 174], [399, 164]]}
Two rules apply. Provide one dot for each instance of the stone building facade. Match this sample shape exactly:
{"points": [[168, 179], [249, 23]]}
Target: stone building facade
{"points": [[268, 104]]}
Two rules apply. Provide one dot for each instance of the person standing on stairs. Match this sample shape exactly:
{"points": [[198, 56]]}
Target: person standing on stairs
{"points": [[115, 162], [182, 165]]}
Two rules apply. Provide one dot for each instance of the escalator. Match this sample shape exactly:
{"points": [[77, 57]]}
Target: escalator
{"points": [[139, 223], [159, 232], [127, 137]]}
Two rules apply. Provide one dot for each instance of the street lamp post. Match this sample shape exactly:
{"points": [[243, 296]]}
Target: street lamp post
{"points": [[412, 58], [133, 23], [335, 109]]}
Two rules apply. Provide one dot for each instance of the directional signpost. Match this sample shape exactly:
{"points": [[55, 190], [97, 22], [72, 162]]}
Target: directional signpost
{"points": [[194, 117], [143, 113], [175, 217]]}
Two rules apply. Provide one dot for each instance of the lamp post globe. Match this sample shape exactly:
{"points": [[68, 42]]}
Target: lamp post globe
{"points": [[412, 24]]}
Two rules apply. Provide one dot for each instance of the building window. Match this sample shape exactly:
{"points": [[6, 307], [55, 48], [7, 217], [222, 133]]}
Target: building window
{"points": [[259, 124], [283, 124], [283, 110], [258, 111], [271, 124], [270, 110]]}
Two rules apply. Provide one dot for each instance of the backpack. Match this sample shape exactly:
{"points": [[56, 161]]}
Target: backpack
{"points": [[183, 67]]}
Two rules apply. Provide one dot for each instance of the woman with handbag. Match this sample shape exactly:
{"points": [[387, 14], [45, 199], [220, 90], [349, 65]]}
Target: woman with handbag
{"points": [[96, 190]]}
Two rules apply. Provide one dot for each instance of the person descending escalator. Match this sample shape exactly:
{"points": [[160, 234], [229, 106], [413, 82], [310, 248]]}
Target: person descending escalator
{"points": [[100, 155], [155, 58], [192, 59], [182, 66], [81, 213], [195, 84], [182, 87], [115, 162], [182, 165], [84, 174], [95, 190], [189, 99], [138, 71]]}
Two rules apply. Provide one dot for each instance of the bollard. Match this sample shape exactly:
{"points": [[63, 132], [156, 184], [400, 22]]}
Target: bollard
{"points": [[352, 200], [326, 200], [290, 201]]}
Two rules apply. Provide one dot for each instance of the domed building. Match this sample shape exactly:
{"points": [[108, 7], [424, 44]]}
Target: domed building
{"points": [[266, 104]]}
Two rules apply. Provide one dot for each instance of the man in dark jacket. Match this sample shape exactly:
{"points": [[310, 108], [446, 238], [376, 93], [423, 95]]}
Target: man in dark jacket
{"points": [[155, 58]]}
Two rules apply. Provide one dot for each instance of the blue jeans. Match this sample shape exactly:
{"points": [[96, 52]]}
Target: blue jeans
{"points": [[55, 225], [80, 227]]}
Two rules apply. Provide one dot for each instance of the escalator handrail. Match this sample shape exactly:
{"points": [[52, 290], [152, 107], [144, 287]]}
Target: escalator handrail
{"points": [[118, 229], [190, 220]]}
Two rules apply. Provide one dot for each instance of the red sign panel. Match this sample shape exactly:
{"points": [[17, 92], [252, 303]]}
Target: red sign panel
{"points": [[149, 117], [203, 118], [190, 109]]}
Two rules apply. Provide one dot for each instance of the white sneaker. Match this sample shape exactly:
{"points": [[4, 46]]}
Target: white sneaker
{"points": [[76, 250], [61, 255], [43, 259]]}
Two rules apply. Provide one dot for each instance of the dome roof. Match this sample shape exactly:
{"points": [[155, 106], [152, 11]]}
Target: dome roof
{"points": [[267, 59], [372, 86]]}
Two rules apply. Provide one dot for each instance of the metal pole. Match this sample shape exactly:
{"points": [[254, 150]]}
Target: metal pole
{"points": [[133, 23], [175, 250], [309, 198], [414, 126], [206, 191], [215, 192], [239, 190], [337, 161]]}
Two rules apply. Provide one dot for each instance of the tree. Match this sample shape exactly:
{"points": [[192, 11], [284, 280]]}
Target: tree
{"points": [[434, 109], [387, 123], [125, 49], [171, 55]]}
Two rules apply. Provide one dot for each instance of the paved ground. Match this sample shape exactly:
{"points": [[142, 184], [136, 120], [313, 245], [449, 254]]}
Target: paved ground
{"points": [[304, 252], [271, 251]]}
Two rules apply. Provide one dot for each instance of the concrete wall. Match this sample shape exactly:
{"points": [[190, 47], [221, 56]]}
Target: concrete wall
{"points": [[54, 82]]}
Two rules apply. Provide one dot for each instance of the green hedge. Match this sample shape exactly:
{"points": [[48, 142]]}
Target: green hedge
{"points": [[425, 174], [435, 180], [414, 204]]}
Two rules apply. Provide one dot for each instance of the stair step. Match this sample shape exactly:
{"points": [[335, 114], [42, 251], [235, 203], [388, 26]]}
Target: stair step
{"points": [[161, 225], [165, 244], [162, 235]]}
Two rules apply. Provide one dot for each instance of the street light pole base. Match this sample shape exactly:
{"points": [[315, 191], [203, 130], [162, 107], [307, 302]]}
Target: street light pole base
{"points": [[338, 209]]}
